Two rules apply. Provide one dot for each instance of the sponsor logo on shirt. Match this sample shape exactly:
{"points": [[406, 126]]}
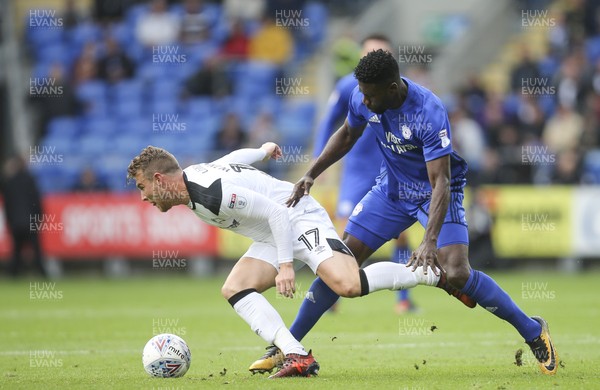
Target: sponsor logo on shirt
{"points": [[232, 201], [444, 137], [374, 119]]}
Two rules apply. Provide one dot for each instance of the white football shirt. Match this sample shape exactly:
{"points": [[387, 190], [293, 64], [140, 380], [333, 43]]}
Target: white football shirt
{"points": [[230, 194]]}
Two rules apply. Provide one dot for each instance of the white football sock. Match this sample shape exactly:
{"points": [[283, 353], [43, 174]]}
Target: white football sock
{"points": [[394, 276], [267, 323]]}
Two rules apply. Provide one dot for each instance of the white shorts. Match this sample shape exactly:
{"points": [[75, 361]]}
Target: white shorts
{"points": [[311, 230]]}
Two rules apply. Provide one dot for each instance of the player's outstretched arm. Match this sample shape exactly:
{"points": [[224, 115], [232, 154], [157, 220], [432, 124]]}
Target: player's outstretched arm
{"points": [[338, 145], [251, 155], [425, 255]]}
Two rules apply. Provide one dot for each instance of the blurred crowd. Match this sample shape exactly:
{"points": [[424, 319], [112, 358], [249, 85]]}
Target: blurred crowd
{"points": [[542, 129], [545, 127], [203, 71]]}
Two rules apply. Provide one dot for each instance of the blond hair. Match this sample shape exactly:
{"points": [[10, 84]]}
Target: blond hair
{"points": [[150, 160]]}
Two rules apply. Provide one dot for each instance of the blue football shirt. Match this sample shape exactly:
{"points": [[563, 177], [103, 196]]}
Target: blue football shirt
{"points": [[408, 137]]}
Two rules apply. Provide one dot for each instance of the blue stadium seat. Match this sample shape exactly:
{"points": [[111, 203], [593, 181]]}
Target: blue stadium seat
{"points": [[104, 126], [129, 145], [163, 89], [317, 16], [126, 108], [94, 96], [94, 145], [255, 79], [59, 177], [296, 121], [200, 107], [64, 126], [55, 53], [112, 168], [126, 90], [37, 32], [58, 145], [140, 126], [592, 49]]}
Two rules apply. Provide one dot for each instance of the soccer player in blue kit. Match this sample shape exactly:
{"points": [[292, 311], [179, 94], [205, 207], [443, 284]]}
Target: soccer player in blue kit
{"points": [[362, 164], [423, 182]]}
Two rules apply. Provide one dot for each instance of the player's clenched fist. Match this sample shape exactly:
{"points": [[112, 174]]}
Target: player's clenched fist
{"points": [[272, 150], [301, 188]]}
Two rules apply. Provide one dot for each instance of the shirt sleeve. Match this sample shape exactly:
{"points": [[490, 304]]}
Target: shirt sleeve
{"points": [[259, 208], [356, 117], [436, 139], [243, 156]]}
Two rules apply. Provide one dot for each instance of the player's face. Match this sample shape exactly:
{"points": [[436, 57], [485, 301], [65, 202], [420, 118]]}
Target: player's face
{"points": [[375, 96], [152, 191]]}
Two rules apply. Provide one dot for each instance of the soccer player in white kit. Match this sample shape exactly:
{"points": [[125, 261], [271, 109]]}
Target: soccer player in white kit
{"points": [[230, 194]]}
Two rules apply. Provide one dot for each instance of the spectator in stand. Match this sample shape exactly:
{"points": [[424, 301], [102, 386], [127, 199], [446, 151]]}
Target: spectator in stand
{"points": [[195, 23], [563, 130], [568, 168], [211, 79], [236, 45], [115, 65], [89, 182], [525, 71], [22, 205], [231, 136], [111, 10], [71, 15], [159, 26], [85, 68], [570, 81], [49, 107], [529, 116], [271, 43], [263, 128]]}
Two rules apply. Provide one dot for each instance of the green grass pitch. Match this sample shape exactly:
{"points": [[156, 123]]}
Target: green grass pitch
{"points": [[89, 333]]}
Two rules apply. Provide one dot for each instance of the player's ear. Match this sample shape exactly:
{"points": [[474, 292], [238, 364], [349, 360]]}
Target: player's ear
{"points": [[157, 177], [393, 87]]}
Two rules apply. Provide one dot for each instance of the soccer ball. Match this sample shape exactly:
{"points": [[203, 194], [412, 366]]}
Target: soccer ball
{"points": [[166, 356]]}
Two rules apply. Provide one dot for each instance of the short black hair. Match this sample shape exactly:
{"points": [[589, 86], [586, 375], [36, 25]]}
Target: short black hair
{"points": [[378, 66]]}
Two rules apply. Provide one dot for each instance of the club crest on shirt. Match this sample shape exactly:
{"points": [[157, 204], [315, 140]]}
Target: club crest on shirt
{"points": [[406, 132], [444, 137], [357, 209]]}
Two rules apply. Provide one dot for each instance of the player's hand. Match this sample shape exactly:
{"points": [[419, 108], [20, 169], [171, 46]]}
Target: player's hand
{"points": [[272, 150], [285, 280], [426, 256], [301, 189]]}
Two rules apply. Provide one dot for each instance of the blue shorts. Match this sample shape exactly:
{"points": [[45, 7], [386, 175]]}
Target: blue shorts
{"points": [[351, 192], [378, 219]]}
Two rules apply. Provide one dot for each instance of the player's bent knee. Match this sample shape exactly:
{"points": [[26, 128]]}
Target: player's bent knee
{"points": [[229, 290], [346, 288], [458, 275]]}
